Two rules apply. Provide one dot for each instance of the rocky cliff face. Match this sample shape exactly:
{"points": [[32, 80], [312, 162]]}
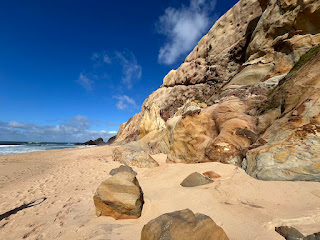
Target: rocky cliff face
{"points": [[292, 149], [247, 95]]}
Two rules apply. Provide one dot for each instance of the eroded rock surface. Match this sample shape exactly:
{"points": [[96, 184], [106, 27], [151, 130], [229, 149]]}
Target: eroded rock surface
{"points": [[129, 131], [292, 144], [286, 30], [165, 102], [131, 157], [183, 224]]}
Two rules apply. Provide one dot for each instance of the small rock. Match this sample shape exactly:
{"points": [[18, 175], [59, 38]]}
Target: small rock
{"points": [[195, 179], [211, 174], [122, 168], [120, 197], [183, 225]]}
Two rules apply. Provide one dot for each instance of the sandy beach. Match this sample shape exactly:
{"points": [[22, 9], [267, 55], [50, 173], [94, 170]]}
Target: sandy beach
{"points": [[64, 181]]}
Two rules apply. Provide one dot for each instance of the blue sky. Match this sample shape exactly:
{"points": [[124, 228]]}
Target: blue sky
{"points": [[75, 70]]}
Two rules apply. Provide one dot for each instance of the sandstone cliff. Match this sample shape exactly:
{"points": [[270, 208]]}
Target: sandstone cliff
{"points": [[248, 94]]}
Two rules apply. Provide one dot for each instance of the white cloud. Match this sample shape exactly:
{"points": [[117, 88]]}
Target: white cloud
{"points": [[100, 58], [183, 28], [85, 82], [123, 62], [16, 124], [125, 102], [106, 59], [131, 70], [76, 129]]}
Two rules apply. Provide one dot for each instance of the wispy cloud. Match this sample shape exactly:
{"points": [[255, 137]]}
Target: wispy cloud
{"points": [[124, 62], [131, 70], [124, 102], [86, 82], [101, 58], [15, 124], [76, 129], [183, 28]]}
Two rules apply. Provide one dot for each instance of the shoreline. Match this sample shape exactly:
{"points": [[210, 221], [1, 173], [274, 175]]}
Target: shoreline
{"points": [[66, 148], [68, 179]]}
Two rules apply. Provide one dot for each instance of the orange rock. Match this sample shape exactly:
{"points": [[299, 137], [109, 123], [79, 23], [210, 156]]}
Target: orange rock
{"points": [[211, 174]]}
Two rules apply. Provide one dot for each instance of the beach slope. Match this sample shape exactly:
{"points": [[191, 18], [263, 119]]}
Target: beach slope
{"points": [[48, 195]]}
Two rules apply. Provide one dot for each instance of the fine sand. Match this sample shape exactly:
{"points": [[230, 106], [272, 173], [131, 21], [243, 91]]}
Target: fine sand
{"points": [[244, 207]]}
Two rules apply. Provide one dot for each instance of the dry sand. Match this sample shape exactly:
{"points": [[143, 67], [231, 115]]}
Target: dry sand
{"points": [[245, 207]]}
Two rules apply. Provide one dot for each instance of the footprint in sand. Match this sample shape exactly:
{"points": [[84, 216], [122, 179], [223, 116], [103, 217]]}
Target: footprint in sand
{"points": [[316, 193], [33, 231], [60, 217]]}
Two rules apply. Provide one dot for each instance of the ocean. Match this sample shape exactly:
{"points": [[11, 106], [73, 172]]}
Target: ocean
{"points": [[7, 147]]}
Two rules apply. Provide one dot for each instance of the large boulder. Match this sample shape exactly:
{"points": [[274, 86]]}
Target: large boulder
{"points": [[183, 224], [120, 197], [136, 158]]}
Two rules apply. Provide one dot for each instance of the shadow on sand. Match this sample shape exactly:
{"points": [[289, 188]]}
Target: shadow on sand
{"points": [[23, 206]]}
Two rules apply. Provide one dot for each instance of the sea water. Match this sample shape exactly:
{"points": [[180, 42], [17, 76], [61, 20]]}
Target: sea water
{"points": [[23, 147]]}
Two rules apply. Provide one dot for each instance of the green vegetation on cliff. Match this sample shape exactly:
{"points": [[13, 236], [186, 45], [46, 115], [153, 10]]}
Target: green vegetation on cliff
{"points": [[303, 60]]}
